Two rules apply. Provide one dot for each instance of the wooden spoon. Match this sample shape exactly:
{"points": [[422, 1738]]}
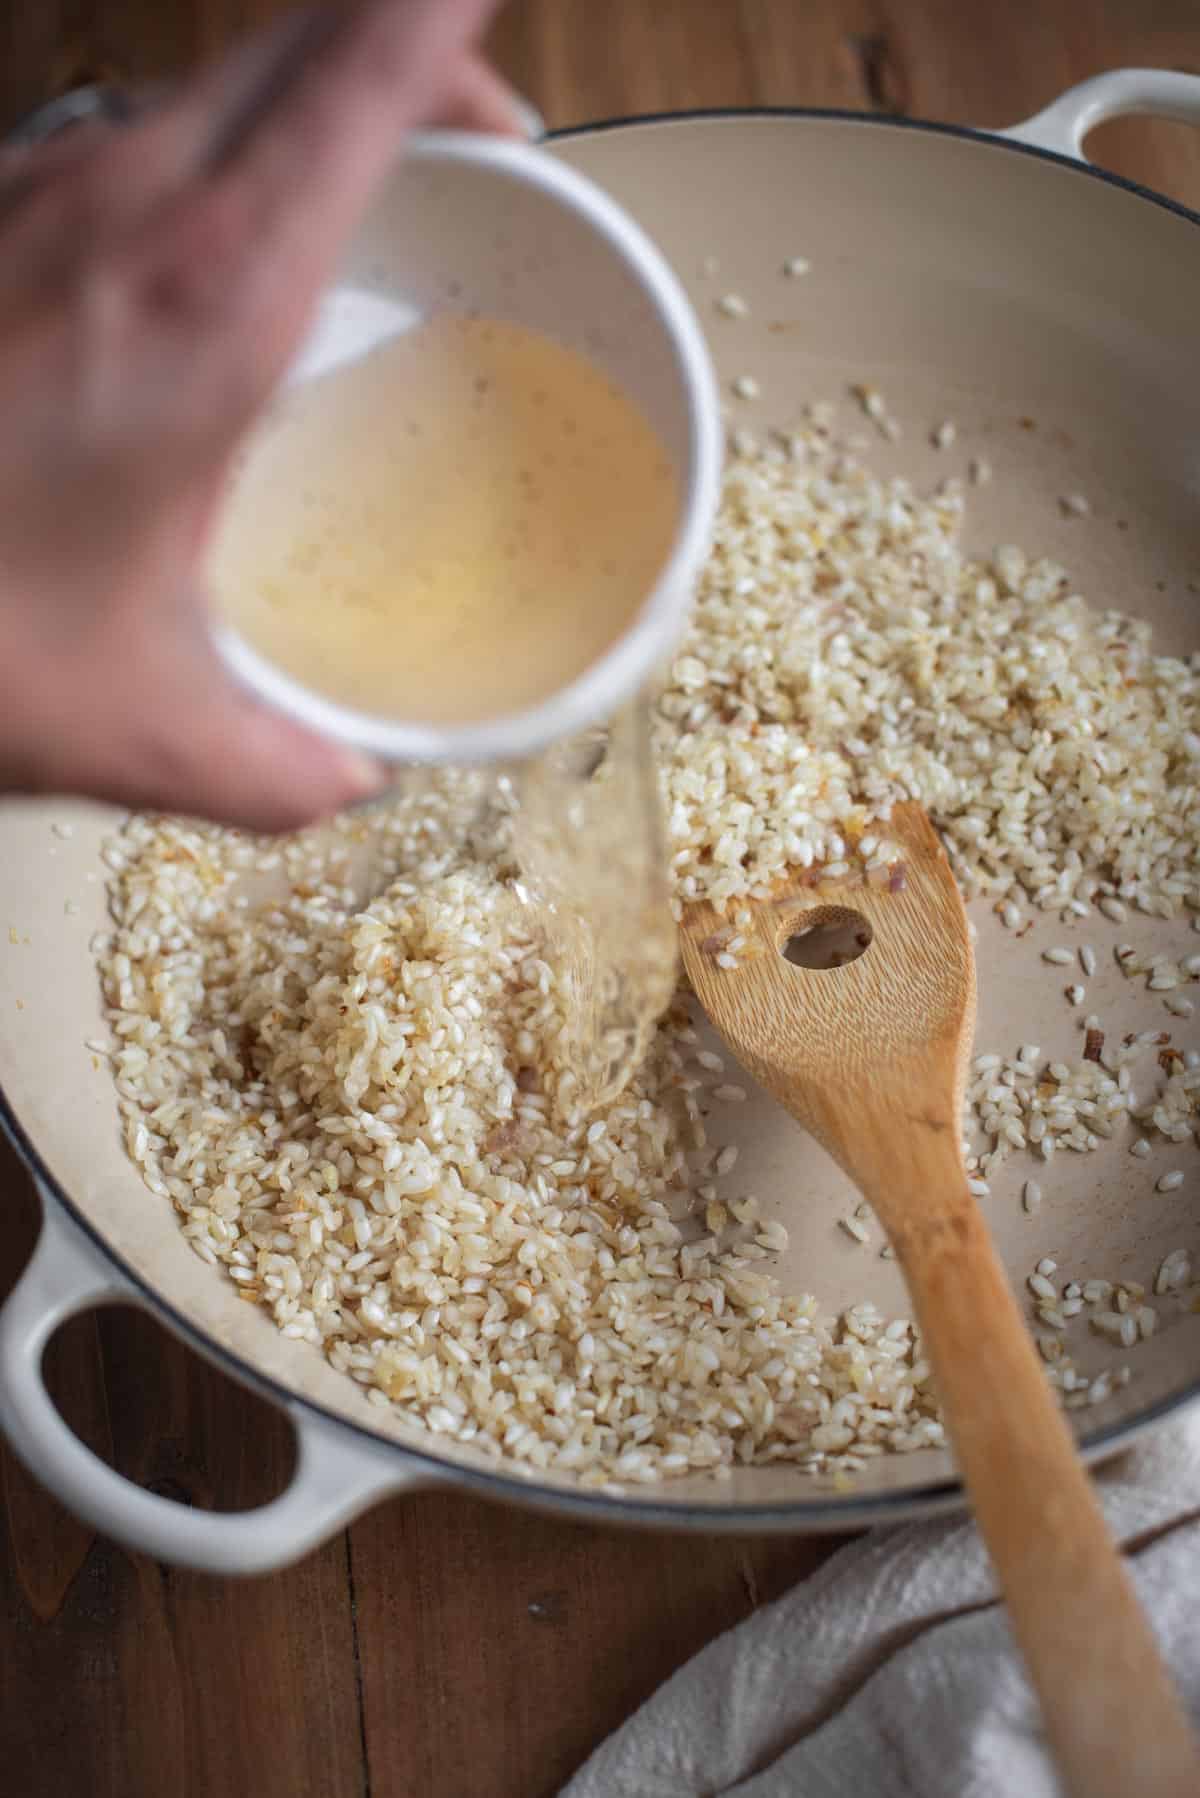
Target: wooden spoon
{"points": [[872, 1058]]}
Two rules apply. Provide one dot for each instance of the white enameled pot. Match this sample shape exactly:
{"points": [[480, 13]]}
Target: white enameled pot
{"points": [[990, 278]]}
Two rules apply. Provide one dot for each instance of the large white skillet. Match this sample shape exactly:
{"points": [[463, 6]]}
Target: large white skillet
{"points": [[992, 278]]}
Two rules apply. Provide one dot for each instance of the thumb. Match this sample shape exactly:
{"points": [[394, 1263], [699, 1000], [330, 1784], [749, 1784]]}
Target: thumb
{"points": [[213, 752], [248, 765]]}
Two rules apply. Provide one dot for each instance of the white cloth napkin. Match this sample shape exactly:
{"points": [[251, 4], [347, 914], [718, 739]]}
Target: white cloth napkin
{"points": [[892, 1670]]}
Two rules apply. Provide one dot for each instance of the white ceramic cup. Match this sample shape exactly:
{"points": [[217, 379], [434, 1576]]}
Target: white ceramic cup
{"points": [[502, 228]]}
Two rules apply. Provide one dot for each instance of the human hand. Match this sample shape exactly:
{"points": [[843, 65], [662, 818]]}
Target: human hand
{"points": [[155, 282]]}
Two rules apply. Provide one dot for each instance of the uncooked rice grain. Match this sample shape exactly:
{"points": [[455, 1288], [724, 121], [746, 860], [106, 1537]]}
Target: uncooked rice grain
{"points": [[361, 1105]]}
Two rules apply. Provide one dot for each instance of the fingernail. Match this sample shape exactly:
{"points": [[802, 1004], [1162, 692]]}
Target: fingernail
{"points": [[369, 779], [531, 121]]}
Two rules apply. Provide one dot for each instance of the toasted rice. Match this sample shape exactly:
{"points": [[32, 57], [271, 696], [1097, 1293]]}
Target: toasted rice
{"points": [[367, 1113]]}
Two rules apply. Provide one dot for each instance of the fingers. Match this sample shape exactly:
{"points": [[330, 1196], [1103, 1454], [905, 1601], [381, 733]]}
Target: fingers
{"points": [[200, 744], [299, 120], [263, 774], [202, 122], [480, 100], [135, 707], [302, 174], [205, 232], [224, 757], [45, 197], [25, 166], [241, 764], [232, 266], [325, 94]]}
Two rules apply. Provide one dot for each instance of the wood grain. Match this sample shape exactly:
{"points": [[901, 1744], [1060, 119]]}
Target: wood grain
{"points": [[968, 63], [405, 1660], [121, 1676], [493, 1640], [872, 1058]]}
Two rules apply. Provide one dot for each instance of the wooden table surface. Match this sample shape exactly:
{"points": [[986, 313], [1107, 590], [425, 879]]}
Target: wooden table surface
{"points": [[440, 1648]]}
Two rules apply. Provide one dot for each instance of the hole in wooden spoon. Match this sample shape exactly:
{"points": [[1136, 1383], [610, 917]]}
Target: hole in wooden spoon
{"points": [[828, 938]]}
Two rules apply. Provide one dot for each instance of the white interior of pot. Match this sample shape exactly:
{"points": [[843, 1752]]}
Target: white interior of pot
{"points": [[968, 282], [459, 236]]}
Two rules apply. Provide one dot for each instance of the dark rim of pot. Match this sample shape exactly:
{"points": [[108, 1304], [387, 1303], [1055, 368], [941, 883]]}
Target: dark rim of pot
{"points": [[843, 1511]]}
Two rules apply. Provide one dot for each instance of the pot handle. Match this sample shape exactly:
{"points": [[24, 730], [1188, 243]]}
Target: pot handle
{"points": [[1063, 125], [337, 1473]]}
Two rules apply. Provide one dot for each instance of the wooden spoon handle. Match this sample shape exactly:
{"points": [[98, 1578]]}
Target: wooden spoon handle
{"points": [[1111, 1711]]}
